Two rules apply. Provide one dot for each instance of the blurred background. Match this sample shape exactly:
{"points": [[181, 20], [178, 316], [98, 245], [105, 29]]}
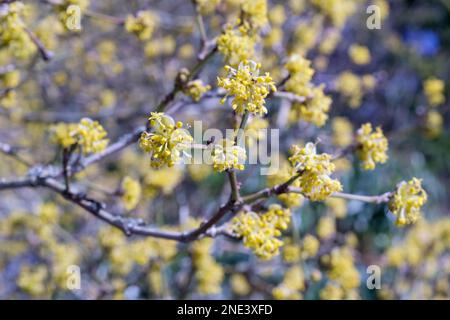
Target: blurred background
{"points": [[395, 77]]}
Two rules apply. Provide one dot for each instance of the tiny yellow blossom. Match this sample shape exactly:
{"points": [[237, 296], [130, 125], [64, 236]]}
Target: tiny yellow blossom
{"points": [[434, 123], [359, 54], [248, 88], [310, 246], [167, 143], [226, 155], [292, 284], [142, 25], [88, 134], [239, 284], [260, 231], [372, 146], [131, 192], [342, 132], [236, 44], [315, 169], [195, 89], [434, 91], [407, 201]]}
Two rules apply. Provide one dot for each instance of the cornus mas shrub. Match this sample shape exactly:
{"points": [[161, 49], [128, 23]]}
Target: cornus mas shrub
{"points": [[99, 103]]}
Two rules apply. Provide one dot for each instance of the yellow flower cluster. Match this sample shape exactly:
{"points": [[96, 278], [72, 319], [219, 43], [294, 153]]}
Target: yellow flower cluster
{"points": [[107, 56], [14, 36], [434, 124], [162, 179], [407, 201], [88, 134], [424, 252], [359, 54], [248, 87], [32, 280], [317, 105], [310, 246], [206, 7], [208, 273], [226, 155], [291, 286], [236, 44], [351, 87], [239, 284], [131, 192], [195, 89], [372, 146], [326, 227], [10, 78], [142, 25], [260, 231], [255, 13], [291, 252], [124, 255], [337, 206], [315, 181], [434, 91], [343, 272], [168, 141], [65, 13], [337, 10], [342, 132]]}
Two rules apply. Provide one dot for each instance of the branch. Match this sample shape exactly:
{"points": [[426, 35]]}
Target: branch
{"points": [[12, 152]]}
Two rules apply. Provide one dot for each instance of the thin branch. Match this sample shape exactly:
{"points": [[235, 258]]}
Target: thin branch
{"points": [[12, 152]]}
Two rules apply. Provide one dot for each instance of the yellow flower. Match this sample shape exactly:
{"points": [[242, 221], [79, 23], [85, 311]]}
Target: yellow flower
{"points": [[260, 231], [337, 206], [300, 75], [315, 181], [163, 179], [206, 7], [372, 146], [14, 36], [195, 89], [433, 124], [236, 44], [407, 201], [208, 272], [342, 269], [255, 12], [239, 284], [337, 10], [359, 54], [326, 227], [142, 25], [88, 134], [91, 136], [167, 143], [293, 283], [310, 246], [342, 132], [248, 87], [226, 155], [315, 109], [131, 193], [291, 253], [434, 91], [10, 79], [331, 292], [351, 87], [317, 105], [32, 280]]}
